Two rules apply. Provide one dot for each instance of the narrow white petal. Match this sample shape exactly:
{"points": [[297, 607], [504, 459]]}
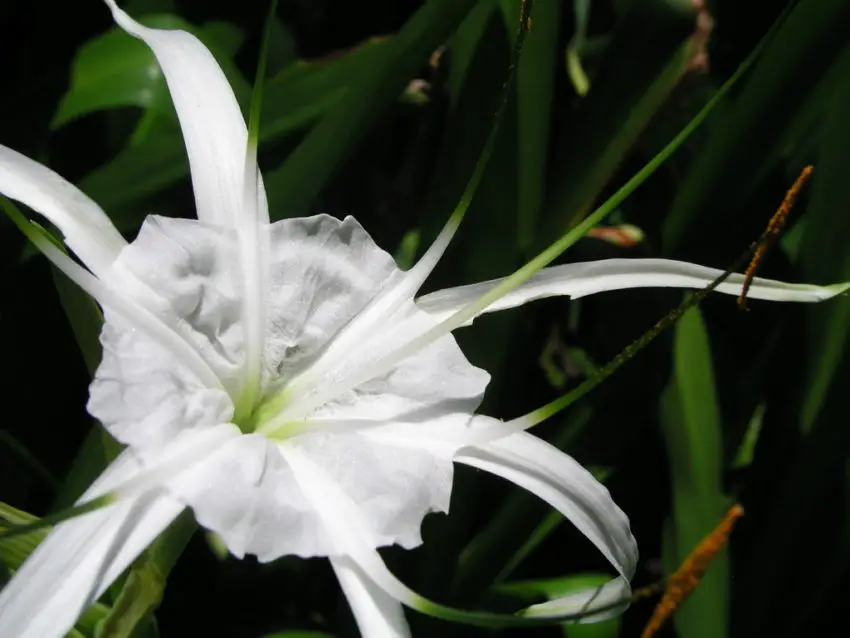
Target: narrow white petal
{"points": [[378, 615], [587, 278], [254, 253], [81, 557], [559, 480], [606, 598], [86, 228], [213, 127]]}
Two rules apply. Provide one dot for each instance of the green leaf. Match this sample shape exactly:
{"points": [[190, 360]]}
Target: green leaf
{"points": [[99, 447], [296, 184], [96, 452], [143, 588], [260, 82], [405, 254], [691, 425], [802, 547], [84, 317], [19, 450], [14, 551], [306, 90], [647, 58], [117, 70], [742, 147], [534, 97], [581, 83], [293, 99], [282, 49], [487, 246], [823, 252]]}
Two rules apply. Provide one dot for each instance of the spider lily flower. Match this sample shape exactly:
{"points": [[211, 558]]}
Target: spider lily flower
{"points": [[285, 382]]}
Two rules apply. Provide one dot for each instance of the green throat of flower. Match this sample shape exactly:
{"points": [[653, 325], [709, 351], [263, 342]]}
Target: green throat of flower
{"points": [[264, 416]]}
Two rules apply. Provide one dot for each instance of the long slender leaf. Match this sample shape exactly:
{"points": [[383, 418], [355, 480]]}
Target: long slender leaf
{"points": [[487, 246], [293, 187], [816, 407], [534, 93], [691, 425], [733, 160], [115, 70], [650, 51], [294, 99]]}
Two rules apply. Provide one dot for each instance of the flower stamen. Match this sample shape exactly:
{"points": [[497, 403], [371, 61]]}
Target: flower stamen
{"points": [[774, 227]]}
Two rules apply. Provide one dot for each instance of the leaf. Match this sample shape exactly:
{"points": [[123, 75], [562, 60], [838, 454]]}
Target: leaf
{"points": [[823, 252], [647, 58], [305, 90], [691, 426], [84, 317], [116, 70], [293, 187], [96, 452], [14, 550], [283, 49], [293, 99], [534, 96], [142, 590], [742, 147], [803, 537], [19, 450], [99, 448], [135, 173], [486, 247], [581, 83]]}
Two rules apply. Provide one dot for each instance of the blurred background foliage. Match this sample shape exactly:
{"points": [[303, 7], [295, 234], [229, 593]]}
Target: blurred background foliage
{"points": [[379, 109]]}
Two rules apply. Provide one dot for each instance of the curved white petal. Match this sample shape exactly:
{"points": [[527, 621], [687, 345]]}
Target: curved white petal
{"points": [[213, 127], [86, 228], [378, 615], [559, 480], [608, 599], [587, 278], [81, 557]]}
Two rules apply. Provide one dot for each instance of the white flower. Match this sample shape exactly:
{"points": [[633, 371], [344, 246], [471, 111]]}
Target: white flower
{"points": [[283, 381]]}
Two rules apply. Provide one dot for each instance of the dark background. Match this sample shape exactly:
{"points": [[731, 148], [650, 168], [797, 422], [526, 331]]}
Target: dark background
{"points": [[45, 381]]}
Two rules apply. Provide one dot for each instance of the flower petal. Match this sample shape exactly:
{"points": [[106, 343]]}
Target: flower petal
{"points": [[559, 480], [587, 278], [81, 557], [213, 127], [378, 615], [86, 228], [247, 494], [323, 273], [608, 598]]}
